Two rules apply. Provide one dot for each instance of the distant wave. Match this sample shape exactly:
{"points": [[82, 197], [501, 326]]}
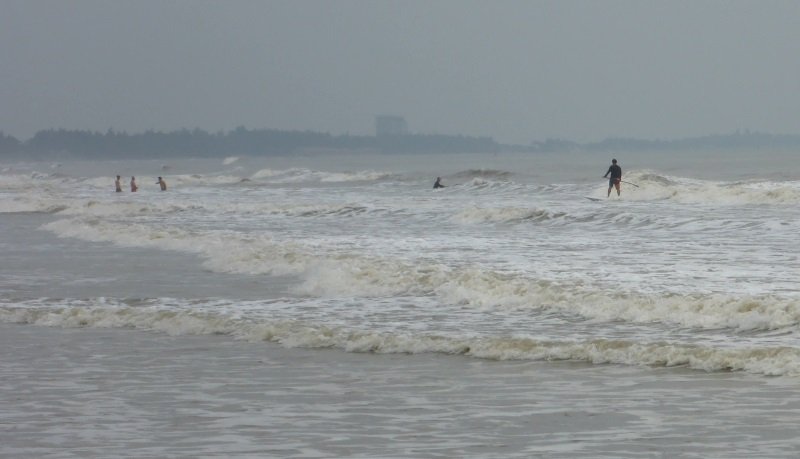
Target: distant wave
{"points": [[298, 175], [33, 193], [654, 186], [505, 215], [482, 184], [203, 180], [483, 173], [519, 215], [32, 205], [765, 360], [130, 208], [126, 208], [225, 251], [32, 181]]}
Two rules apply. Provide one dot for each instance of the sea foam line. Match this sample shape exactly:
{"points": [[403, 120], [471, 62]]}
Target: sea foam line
{"points": [[324, 274], [653, 186], [775, 360]]}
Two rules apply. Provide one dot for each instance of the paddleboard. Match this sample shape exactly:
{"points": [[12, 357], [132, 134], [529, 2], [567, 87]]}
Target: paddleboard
{"points": [[590, 198]]}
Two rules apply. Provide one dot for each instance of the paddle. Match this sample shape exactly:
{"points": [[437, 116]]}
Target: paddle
{"points": [[629, 183]]}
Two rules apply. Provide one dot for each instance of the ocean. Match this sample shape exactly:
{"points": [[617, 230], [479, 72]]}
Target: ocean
{"points": [[333, 304]]}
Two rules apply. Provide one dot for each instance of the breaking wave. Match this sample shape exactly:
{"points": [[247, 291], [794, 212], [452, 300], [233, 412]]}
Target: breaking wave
{"points": [[649, 186], [505, 215], [769, 360], [298, 175], [484, 174], [354, 274]]}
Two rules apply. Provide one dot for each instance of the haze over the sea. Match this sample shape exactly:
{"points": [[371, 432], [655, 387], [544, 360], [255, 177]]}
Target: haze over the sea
{"points": [[515, 71]]}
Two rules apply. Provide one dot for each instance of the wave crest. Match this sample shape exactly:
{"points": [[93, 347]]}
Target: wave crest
{"points": [[483, 173], [654, 186], [298, 175], [323, 274], [505, 215], [764, 360]]}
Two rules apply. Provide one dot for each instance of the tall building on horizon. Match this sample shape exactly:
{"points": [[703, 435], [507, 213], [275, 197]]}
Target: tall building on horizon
{"points": [[390, 125]]}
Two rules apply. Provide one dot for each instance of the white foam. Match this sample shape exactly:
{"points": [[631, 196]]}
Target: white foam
{"points": [[126, 207], [32, 204], [298, 175], [484, 173], [482, 183], [230, 160], [202, 180], [761, 360], [654, 186], [504, 215], [705, 311], [331, 273], [28, 182], [225, 251], [357, 176]]}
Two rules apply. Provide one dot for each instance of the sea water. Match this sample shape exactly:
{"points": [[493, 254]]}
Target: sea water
{"points": [[508, 286]]}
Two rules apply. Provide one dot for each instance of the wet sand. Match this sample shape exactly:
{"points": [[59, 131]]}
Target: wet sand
{"points": [[91, 393]]}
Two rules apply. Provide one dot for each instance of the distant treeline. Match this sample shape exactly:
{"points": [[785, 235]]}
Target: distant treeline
{"points": [[241, 141], [199, 143], [738, 140]]}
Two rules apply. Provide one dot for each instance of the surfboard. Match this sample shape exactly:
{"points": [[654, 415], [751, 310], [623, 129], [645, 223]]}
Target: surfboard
{"points": [[590, 198]]}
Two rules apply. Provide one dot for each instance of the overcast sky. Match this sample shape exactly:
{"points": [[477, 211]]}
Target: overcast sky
{"points": [[515, 70]]}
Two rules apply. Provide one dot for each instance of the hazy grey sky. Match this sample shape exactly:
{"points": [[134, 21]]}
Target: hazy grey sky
{"points": [[514, 70]]}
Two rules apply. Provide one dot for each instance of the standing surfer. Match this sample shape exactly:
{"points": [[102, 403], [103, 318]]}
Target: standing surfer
{"points": [[616, 176]]}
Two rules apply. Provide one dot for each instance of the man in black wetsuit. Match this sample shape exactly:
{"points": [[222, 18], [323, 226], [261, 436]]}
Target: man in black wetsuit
{"points": [[616, 176], [438, 183]]}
